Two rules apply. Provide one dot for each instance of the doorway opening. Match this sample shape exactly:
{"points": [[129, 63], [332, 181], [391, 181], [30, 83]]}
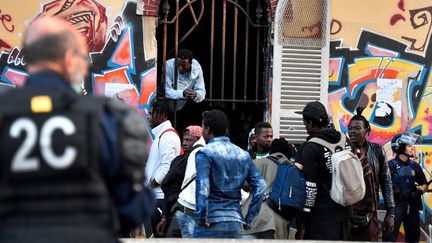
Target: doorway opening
{"points": [[232, 49]]}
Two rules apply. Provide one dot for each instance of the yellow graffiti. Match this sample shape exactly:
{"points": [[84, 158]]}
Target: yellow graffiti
{"points": [[337, 111], [423, 118], [410, 25], [363, 73], [424, 154], [334, 69]]}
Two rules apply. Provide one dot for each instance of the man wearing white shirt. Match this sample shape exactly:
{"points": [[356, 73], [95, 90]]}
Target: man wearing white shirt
{"points": [[185, 214], [165, 147]]}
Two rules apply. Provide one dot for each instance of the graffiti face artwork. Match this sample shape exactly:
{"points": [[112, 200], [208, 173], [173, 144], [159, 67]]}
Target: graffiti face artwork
{"points": [[88, 16], [120, 68]]}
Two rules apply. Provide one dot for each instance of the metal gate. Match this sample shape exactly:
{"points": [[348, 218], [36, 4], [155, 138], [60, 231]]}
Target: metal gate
{"points": [[232, 45]]}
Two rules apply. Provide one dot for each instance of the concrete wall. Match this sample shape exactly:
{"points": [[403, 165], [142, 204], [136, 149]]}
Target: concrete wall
{"points": [[121, 42], [380, 58]]}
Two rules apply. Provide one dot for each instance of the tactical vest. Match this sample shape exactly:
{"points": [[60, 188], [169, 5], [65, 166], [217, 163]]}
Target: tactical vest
{"points": [[51, 189], [403, 175]]}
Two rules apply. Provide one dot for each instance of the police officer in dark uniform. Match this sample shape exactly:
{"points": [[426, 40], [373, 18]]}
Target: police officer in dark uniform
{"points": [[72, 167], [409, 183]]}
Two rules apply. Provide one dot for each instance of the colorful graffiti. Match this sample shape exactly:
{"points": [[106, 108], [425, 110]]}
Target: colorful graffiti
{"points": [[410, 22], [87, 16], [123, 66], [383, 64], [124, 73]]}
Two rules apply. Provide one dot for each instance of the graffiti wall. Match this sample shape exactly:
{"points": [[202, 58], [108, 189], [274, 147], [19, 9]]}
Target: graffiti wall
{"points": [[121, 44], [380, 58]]}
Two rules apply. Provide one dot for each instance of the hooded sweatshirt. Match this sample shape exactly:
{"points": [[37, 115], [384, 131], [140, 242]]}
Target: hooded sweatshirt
{"points": [[316, 161]]}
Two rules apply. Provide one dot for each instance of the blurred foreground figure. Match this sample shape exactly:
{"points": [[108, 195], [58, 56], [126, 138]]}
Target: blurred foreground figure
{"points": [[72, 167]]}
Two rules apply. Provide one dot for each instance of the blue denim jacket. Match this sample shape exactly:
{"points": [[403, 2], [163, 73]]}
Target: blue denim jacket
{"points": [[222, 169]]}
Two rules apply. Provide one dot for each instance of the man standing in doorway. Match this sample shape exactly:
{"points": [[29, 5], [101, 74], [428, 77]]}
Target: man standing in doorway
{"points": [[188, 74], [222, 169], [165, 147]]}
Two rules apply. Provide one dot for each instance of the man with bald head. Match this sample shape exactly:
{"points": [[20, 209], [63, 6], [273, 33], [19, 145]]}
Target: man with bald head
{"points": [[72, 167]]}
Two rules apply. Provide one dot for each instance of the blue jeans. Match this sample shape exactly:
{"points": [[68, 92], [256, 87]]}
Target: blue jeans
{"points": [[186, 223], [219, 230]]}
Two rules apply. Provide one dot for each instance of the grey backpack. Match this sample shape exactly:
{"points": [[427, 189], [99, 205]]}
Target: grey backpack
{"points": [[348, 185]]}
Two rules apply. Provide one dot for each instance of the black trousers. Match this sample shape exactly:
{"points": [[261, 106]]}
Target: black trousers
{"points": [[408, 214], [329, 222], [154, 220]]}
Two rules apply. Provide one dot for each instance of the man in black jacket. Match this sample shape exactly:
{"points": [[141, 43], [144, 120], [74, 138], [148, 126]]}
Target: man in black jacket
{"points": [[80, 177], [376, 173], [322, 218], [172, 185]]}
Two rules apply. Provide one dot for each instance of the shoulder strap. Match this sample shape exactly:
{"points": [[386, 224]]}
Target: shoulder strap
{"points": [[196, 146], [170, 129], [193, 178], [189, 182], [276, 161], [331, 146]]}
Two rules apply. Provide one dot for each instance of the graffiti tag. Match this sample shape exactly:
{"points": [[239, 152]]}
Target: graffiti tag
{"points": [[311, 28], [6, 21], [335, 27], [16, 57], [419, 18]]}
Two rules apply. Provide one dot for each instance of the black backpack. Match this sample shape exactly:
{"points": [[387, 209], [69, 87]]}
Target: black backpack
{"points": [[171, 184]]}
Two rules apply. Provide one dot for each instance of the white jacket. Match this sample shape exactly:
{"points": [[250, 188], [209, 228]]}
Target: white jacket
{"points": [[187, 196], [163, 150]]}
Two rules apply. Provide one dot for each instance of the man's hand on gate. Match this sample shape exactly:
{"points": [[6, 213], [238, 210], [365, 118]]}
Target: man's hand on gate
{"points": [[189, 94]]}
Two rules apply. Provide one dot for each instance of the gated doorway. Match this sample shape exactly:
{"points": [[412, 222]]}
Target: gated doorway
{"points": [[229, 38]]}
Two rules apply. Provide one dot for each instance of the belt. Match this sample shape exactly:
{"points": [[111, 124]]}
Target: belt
{"points": [[186, 210]]}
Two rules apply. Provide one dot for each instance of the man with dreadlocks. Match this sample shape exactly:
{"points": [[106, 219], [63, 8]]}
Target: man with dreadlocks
{"points": [[376, 173], [165, 147]]}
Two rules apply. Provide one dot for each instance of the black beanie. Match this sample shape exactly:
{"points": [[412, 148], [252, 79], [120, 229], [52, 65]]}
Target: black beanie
{"points": [[282, 146]]}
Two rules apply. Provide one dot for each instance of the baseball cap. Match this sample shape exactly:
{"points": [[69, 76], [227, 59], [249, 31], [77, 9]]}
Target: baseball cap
{"points": [[314, 110], [195, 131]]}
